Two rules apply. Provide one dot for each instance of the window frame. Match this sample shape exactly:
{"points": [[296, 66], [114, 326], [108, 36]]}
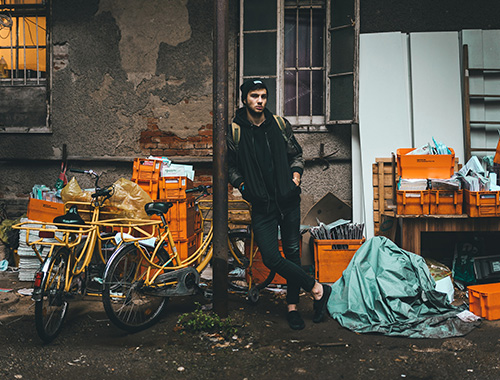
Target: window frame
{"points": [[43, 9], [320, 123]]}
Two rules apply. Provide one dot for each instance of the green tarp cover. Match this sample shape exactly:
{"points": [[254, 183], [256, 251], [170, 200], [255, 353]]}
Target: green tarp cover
{"points": [[388, 290]]}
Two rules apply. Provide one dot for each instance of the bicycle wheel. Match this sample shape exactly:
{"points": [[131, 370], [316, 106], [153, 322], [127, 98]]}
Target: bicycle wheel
{"points": [[128, 304], [52, 307], [240, 273]]}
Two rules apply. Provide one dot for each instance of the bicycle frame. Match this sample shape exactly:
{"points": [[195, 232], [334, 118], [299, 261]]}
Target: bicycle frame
{"points": [[199, 259]]}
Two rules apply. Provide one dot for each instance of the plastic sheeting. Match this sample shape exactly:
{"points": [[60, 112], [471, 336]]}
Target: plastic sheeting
{"points": [[388, 290], [127, 201]]}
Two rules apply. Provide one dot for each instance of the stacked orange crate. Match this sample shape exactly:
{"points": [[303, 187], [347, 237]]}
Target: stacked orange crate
{"points": [[146, 173], [412, 202], [421, 202], [182, 217], [446, 202], [482, 203], [174, 188]]}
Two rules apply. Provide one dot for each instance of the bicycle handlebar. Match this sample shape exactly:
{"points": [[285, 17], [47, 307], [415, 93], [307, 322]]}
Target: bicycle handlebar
{"points": [[201, 188], [102, 193], [105, 192]]}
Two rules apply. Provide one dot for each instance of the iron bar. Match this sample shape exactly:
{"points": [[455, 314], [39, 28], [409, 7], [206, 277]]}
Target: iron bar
{"points": [[220, 175]]}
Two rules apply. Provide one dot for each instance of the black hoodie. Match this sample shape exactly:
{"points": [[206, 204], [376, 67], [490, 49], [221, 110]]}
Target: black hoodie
{"points": [[265, 161]]}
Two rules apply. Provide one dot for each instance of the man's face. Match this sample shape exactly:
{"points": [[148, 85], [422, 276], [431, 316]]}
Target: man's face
{"points": [[256, 100]]}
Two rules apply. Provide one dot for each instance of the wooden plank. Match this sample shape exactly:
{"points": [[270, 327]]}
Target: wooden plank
{"points": [[386, 193], [386, 167], [383, 191], [413, 227], [387, 180]]}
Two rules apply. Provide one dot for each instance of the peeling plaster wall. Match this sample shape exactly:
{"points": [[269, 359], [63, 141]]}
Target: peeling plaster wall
{"points": [[132, 78], [120, 70]]}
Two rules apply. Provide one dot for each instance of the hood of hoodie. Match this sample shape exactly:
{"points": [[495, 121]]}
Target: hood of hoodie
{"points": [[255, 172], [240, 118]]}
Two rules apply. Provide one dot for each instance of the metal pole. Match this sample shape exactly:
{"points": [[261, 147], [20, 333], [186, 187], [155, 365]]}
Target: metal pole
{"points": [[220, 176]]}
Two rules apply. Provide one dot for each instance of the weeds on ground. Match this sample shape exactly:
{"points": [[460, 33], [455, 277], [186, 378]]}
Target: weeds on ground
{"points": [[203, 321]]}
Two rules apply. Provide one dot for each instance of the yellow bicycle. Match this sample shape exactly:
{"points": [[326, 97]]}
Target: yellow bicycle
{"points": [[142, 274], [76, 257]]}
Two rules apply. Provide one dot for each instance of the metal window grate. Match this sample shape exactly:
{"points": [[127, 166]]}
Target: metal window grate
{"points": [[23, 49], [304, 63]]}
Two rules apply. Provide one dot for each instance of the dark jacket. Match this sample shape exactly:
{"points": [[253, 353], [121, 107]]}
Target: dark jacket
{"points": [[264, 160]]}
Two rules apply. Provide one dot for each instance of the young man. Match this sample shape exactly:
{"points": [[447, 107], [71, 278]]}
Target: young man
{"points": [[265, 164]]}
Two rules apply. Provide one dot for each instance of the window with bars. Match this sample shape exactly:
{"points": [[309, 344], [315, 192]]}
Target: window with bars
{"points": [[306, 52], [23, 42], [23, 66], [304, 66]]}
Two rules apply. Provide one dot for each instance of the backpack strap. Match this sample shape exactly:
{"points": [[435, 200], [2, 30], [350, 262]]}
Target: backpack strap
{"points": [[236, 133], [282, 125]]}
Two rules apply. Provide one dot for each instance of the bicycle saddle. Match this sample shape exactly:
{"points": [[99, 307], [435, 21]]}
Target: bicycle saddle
{"points": [[71, 217], [157, 208]]}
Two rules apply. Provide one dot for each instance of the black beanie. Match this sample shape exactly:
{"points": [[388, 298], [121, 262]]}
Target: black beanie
{"points": [[249, 85]]}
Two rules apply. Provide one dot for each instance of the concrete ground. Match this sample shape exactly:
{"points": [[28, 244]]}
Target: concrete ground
{"points": [[263, 347]]}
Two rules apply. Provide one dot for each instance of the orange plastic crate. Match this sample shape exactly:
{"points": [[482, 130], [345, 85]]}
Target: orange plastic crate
{"points": [[146, 170], [181, 218], [446, 202], [482, 203], [44, 211], [484, 300], [150, 187], [260, 271], [425, 166], [174, 187], [412, 202], [186, 247], [331, 257]]}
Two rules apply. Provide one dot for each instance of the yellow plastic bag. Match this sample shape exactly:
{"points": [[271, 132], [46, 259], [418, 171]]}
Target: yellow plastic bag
{"points": [[129, 198], [73, 192], [127, 201]]}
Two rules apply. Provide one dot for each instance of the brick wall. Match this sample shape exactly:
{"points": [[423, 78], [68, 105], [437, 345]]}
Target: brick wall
{"points": [[161, 143]]}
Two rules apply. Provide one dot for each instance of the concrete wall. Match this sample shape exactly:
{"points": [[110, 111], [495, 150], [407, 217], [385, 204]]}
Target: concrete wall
{"points": [[133, 78], [129, 79]]}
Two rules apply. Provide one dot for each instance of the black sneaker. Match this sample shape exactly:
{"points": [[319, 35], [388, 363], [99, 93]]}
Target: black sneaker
{"points": [[295, 321], [320, 305]]}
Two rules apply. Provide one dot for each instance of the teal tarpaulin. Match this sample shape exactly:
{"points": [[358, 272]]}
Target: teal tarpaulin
{"points": [[388, 290]]}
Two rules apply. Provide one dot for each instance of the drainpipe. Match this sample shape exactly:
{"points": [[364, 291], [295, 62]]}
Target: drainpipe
{"points": [[220, 175]]}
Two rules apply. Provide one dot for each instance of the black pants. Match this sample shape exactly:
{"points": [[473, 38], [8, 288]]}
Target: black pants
{"points": [[265, 227]]}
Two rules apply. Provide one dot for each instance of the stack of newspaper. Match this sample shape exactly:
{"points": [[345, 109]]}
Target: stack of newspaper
{"points": [[28, 261], [339, 230]]}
